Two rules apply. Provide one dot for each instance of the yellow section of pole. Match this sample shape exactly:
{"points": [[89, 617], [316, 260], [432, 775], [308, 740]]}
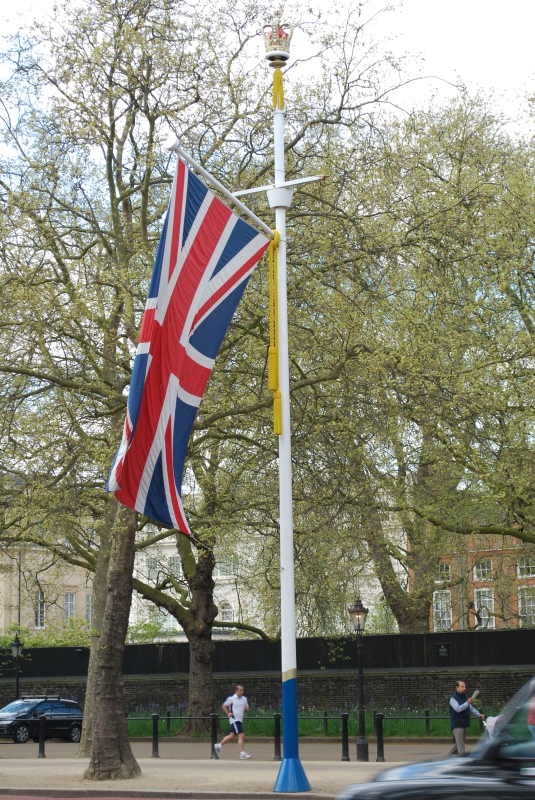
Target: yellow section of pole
{"points": [[278, 90], [273, 353]]}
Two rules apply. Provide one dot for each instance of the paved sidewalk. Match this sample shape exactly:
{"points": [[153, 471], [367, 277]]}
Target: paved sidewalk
{"points": [[226, 776], [176, 749], [185, 768]]}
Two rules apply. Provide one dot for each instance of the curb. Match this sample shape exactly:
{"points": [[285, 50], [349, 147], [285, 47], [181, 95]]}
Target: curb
{"points": [[163, 794]]}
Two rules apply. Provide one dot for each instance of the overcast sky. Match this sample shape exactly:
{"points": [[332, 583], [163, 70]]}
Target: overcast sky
{"points": [[486, 43]]}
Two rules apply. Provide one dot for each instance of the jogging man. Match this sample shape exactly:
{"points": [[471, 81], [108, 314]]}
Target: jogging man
{"points": [[235, 707], [460, 709]]}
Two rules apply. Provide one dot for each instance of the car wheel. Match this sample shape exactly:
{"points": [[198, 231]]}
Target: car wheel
{"points": [[75, 734], [22, 734]]}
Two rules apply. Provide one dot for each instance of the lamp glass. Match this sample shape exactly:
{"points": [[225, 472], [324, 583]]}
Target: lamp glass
{"points": [[358, 614], [16, 647]]}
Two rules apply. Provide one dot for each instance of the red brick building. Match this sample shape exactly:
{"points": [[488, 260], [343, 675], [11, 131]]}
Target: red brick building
{"points": [[485, 582]]}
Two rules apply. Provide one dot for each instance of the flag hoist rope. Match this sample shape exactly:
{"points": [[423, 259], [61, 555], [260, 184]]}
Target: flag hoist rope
{"points": [[273, 353]]}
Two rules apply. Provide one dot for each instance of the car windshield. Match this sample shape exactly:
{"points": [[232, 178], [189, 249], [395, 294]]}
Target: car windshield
{"points": [[17, 707], [514, 728]]}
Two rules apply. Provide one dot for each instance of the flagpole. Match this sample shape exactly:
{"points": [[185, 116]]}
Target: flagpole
{"points": [[291, 777]]}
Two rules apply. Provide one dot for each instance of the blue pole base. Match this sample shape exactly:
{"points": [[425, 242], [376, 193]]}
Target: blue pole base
{"points": [[291, 777]]}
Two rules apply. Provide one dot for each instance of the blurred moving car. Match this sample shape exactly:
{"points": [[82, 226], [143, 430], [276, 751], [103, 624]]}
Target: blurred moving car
{"points": [[501, 767], [20, 719]]}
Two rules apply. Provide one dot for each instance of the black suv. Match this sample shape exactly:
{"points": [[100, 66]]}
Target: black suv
{"points": [[20, 719]]}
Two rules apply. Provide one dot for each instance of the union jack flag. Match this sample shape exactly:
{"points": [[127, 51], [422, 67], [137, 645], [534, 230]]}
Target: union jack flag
{"points": [[204, 260]]}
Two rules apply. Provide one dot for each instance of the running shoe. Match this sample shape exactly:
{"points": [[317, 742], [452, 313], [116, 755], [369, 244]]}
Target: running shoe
{"points": [[244, 755], [218, 748]]}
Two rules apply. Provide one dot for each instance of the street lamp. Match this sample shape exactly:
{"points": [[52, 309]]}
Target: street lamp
{"points": [[358, 614], [16, 649]]}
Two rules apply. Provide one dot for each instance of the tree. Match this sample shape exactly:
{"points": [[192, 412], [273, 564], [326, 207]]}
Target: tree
{"points": [[436, 408], [84, 189]]}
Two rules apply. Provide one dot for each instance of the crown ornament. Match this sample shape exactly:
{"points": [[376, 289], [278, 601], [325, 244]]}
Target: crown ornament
{"points": [[276, 36]]}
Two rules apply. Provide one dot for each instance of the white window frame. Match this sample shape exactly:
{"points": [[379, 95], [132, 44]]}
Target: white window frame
{"points": [[525, 567], [69, 606], [481, 571], [225, 614], [175, 567], [40, 609], [89, 609], [152, 569], [226, 567], [170, 623], [521, 614], [443, 567], [442, 610], [484, 603]]}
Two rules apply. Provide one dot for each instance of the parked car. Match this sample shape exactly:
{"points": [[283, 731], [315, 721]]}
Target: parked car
{"points": [[501, 767], [20, 719]]}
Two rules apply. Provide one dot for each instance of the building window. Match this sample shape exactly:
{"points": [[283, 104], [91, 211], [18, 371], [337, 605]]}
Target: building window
{"points": [[484, 605], [483, 570], [170, 623], [226, 614], [40, 611], [152, 570], [525, 567], [89, 610], [226, 567], [444, 573], [442, 618], [526, 606], [175, 567], [69, 606]]}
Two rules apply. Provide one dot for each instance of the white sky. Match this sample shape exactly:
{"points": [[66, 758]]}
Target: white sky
{"points": [[486, 43]]}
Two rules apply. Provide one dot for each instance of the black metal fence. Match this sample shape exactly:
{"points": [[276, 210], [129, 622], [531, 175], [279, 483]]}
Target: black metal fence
{"points": [[157, 727], [391, 651]]}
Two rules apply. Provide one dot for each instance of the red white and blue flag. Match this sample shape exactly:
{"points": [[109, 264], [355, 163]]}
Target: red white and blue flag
{"points": [[205, 258]]}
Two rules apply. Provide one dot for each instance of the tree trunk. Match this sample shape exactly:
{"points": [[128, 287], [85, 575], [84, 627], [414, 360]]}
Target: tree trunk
{"points": [[410, 608], [198, 629], [100, 592], [111, 754]]}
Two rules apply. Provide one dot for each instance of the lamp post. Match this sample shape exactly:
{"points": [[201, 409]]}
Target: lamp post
{"points": [[358, 614], [16, 649]]}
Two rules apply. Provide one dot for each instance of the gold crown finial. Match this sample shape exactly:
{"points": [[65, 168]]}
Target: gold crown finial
{"points": [[277, 35]]}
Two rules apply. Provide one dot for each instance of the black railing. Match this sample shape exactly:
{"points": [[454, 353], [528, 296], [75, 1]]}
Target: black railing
{"points": [[273, 723]]}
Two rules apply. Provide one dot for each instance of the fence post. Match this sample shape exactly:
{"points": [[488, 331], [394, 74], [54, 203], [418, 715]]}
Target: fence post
{"points": [[213, 731], [277, 752], [155, 718], [379, 733], [426, 712], [168, 715], [481, 726], [345, 736], [41, 737], [325, 724]]}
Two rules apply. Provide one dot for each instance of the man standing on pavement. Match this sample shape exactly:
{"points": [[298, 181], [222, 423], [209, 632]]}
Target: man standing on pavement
{"points": [[235, 707], [460, 709]]}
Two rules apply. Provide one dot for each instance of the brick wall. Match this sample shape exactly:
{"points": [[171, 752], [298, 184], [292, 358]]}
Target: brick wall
{"points": [[413, 688]]}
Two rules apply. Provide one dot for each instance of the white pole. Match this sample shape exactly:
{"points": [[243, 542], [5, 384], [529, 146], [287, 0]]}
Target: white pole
{"points": [[289, 657], [291, 777]]}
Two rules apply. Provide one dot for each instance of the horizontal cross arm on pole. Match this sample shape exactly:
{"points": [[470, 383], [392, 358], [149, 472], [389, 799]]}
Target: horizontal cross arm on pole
{"points": [[296, 182], [191, 161]]}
